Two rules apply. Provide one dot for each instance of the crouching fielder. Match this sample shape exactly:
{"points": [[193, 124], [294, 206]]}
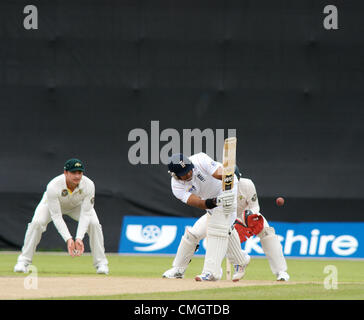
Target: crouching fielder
{"points": [[73, 194], [251, 222], [196, 181]]}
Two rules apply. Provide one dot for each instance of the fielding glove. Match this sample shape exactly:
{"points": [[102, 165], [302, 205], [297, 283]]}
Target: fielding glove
{"points": [[244, 232], [253, 221]]}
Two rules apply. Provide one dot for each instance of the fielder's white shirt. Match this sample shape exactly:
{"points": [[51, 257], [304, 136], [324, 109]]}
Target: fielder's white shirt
{"points": [[247, 197], [61, 201]]}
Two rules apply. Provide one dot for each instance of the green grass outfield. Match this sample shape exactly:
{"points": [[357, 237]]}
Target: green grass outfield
{"points": [[309, 272]]}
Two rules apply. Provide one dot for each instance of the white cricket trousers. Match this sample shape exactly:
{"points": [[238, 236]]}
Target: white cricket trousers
{"points": [[39, 224]]}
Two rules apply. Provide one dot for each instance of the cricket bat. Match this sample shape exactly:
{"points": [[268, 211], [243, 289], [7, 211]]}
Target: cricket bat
{"points": [[228, 163], [228, 169]]}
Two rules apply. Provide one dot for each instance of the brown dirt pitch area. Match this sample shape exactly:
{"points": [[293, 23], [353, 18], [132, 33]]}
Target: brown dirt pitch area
{"points": [[53, 287]]}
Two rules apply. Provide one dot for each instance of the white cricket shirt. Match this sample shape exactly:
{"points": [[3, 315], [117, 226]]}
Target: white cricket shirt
{"points": [[202, 184], [61, 201], [247, 197]]}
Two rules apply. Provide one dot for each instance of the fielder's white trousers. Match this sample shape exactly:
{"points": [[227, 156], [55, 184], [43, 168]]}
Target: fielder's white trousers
{"points": [[39, 224]]}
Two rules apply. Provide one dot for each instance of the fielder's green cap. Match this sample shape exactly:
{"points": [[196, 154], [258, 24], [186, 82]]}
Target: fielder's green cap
{"points": [[74, 165]]}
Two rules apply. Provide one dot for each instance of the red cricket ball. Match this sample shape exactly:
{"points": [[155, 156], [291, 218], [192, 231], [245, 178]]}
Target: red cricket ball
{"points": [[280, 201]]}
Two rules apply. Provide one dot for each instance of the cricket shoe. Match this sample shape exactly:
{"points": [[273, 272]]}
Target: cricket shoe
{"points": [[174, 273], [21, 267], [205, 276], [239, 270], [102, 269], [282, 276]]}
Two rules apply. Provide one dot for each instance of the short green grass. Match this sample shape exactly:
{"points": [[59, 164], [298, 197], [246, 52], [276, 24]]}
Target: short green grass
{"points": [[350, 277]]}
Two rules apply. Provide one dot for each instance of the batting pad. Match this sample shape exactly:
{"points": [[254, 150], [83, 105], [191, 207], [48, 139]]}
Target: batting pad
{"points": [[185, 251], [273, 250], [234, 252], [217, 243]]}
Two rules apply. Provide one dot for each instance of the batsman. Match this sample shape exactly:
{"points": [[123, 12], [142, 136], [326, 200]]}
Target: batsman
{"points": [[198, 181], [249, 222]]}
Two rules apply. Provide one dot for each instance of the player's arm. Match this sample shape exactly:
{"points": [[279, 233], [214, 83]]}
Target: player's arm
{"points": [[218, 173], [197, 202], [56, 216], [252, 221], [210, 166], [191, 199], [251, 196], [85, 217]]}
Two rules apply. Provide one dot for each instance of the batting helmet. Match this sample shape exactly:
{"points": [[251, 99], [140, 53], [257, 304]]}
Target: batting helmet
{"points": [[179, 165]]}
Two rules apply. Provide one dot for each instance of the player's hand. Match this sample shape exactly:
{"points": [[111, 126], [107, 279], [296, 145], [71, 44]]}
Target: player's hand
{"points": [[255, 223], [71, 247], [80, 248], [244, 232], [226, 199]]}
